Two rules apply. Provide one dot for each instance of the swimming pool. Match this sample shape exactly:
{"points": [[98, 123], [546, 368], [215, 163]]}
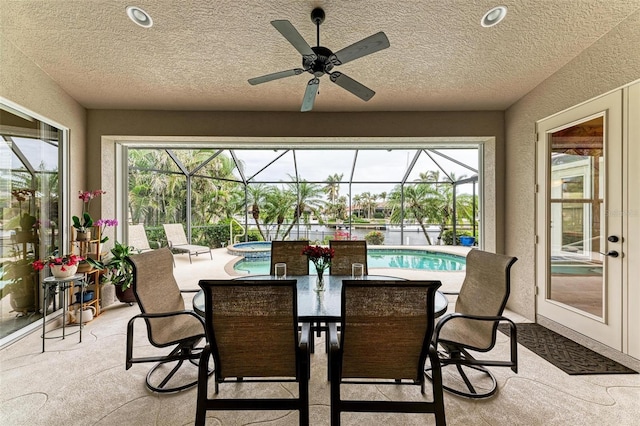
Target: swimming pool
{"points": [[251, 250], [377, 258]]}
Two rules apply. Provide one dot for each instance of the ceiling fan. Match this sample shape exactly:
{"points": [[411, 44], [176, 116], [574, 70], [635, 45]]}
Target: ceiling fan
{"points": [[319, 60]]}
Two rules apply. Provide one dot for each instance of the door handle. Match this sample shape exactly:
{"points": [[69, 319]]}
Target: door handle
{"points": [[611, 253], [613, 239]]}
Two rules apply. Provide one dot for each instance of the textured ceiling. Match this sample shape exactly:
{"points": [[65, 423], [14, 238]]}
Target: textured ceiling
{"points": [[199, 54]]}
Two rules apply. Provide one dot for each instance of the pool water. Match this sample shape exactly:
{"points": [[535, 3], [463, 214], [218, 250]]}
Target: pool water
{"points": [[379, 258]]}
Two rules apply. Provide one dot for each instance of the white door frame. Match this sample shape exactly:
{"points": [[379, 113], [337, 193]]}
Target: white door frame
{"points": [[607, 329]]}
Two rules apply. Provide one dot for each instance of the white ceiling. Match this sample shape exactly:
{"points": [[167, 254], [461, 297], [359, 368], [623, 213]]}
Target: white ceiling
{"points": [[199, 54]]}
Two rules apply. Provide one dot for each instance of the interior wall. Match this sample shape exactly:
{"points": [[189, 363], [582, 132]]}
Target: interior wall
{"points": [[611, 62], [23, 83]]}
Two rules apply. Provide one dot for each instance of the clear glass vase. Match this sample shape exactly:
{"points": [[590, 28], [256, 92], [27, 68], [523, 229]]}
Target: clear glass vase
{"points": [[320, 280]]}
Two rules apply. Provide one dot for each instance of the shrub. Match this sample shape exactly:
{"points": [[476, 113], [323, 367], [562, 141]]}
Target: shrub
{"points": [[447, 236], [375, 238]]}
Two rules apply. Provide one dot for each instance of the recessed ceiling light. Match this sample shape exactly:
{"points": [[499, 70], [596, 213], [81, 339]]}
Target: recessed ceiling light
{"points": [[139, 16], [494, 16]]}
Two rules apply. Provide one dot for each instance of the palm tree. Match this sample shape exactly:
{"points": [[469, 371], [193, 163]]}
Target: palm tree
{"points": [[332, 189], [257, 196], [357, 200], [417, 205], [308, 194], [279, 205]]}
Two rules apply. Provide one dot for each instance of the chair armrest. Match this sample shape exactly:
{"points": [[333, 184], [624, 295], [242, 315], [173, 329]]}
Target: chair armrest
{"points": [[190, 290], [499, 318], [305, 332], [169, 314], [334, 343], [456, 315]]}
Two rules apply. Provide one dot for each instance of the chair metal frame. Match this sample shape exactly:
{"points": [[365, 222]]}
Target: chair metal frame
{"points": [[457, 353], [384, 368], [185, 346], [300, 347]]}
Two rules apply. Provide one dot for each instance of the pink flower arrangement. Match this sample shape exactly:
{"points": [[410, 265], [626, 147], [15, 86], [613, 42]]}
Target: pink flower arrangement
{"points": [[67, 260], [320, 256], [103, 224], [87, 221]]}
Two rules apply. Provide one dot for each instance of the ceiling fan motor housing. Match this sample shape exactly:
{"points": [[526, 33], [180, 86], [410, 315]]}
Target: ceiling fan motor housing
{"points": [[321, 65]]}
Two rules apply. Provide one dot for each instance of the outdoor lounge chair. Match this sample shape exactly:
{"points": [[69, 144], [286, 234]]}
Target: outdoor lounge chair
{"points": [[177, 240], [252, 332], [385, 338], [347, 253], [473, 326], [138, 238], [168, 323]]}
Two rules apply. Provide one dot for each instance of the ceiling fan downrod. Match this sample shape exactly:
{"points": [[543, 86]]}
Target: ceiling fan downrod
{"points": [[317, 17]]}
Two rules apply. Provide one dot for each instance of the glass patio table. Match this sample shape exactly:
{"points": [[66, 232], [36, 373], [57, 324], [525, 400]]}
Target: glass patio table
{"points": [[321, 306]]}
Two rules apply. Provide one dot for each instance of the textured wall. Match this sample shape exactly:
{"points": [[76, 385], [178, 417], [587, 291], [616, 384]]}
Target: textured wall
{"points": [[611, 62], [25, 84]]}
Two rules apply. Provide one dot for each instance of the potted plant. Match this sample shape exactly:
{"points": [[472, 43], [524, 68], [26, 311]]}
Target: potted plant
{"points": [[120, 272], [83, 225], [60, 266], [28, 221]]}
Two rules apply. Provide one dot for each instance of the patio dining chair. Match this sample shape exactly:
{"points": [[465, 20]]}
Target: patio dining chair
{"points": [[290, 252], [347, 253], [474, 326], [167, 321], [253, 337], [385, 338], [177, 240]]}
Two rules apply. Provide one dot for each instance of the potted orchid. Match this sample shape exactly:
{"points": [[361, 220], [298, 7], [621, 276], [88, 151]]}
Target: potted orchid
{"points": [[60, 266], [82, 224], [28, 222], [321, 258]]}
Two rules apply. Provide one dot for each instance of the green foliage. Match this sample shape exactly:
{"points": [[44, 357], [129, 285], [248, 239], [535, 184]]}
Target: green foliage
{"points": [[119, 271], [86, 223], [447, 236], [375, 238], [27, 221], [356, 219], [156, 236], [253, 235]]}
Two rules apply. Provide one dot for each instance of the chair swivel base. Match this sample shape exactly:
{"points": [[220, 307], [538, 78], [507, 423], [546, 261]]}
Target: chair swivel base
{"points": [[162, 386], [468, 390]]}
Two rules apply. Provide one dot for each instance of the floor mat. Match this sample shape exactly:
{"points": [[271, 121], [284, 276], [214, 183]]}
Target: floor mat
{"points": [[564, 353]]}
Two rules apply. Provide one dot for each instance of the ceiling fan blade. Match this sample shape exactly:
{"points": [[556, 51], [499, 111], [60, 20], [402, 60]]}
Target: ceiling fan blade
{"points": [[347, 83], [275, 76], [310, 94], [293, 36], [361, 48]]}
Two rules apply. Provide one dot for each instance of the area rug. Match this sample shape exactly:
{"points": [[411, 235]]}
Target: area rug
{"points": [[564, 353]]}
